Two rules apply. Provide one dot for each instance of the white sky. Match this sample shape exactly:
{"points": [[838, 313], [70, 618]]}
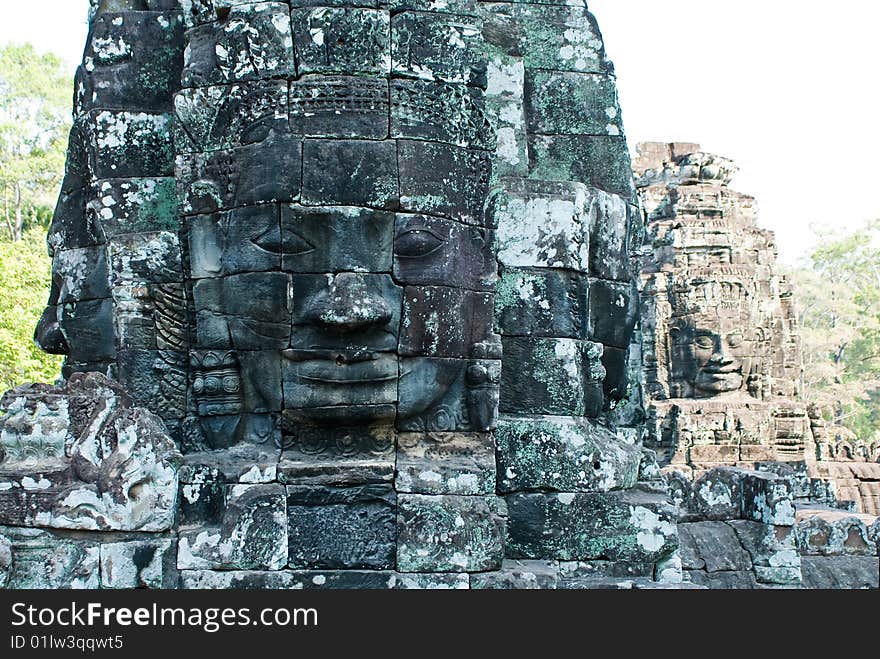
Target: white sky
{"points": [[787, 88]]}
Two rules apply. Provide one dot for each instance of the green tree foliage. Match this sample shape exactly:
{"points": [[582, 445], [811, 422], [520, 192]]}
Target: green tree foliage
{"points": [[25, 273], [34, 122], [838, 293]]}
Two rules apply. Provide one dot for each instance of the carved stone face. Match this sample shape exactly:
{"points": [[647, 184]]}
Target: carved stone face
{"points": [[714, 354], [330, 302]]}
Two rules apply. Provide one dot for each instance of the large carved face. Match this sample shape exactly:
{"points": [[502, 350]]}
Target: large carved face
{"points": [[341, 267]]}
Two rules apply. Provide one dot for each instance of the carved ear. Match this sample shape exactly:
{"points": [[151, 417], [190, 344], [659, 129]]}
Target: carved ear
{"points": [[483, 378]]}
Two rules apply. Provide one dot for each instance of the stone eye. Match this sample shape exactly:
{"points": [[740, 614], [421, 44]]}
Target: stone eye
{"points": [[283, 241], [416, 243], [735, 340], [705, 342]]}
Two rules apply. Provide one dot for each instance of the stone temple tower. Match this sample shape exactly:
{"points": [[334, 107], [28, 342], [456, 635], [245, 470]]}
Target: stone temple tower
{"points": [[721, 353]]}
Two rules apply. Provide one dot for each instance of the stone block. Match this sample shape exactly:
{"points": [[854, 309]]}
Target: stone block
{"points": [[319, 240], [434, 46], [65, 465], [327, 309], [440, 112], [342, 456], [129, 144], [445, 180], [450, 581], [542, 303], [438, 395], [145, 257], [519, 575], [552, 35], [131, 60], [564, 103], [841, 572], [449, 533], [246, 311], [717, 495], [542, 225], [254, 41], [350, 173], [439, 321], [42, 560], [712, 546], [562, 454], [232, 242], [341, 528], [504, 108], [614, 310], [631, 526], [767, 498], [91, 322], [134, 205], [341, 40], [288, 580], [599, 161], [445, 463], [266, 169], [430, 251], [224, 117], [138, 564], [549, 376], [340, 107], [252, 534]]}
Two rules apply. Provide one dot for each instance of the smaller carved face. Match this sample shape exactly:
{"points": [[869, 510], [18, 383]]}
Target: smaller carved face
{"points": [[722, 360], [714, 354]]}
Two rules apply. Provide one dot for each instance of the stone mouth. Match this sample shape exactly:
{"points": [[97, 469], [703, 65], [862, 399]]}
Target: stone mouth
{"points": [[337, 368]]}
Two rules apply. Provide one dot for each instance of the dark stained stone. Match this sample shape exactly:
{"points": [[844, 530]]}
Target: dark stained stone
{"points": [[267, 170], [247, 311], [364, 173], [614, 310], [716, 545], [91, 322], [333, 240], [739, 580], [840, 572], [232, 242], [439, 321], [445, 180], [135, 61], [431, 251], [342, 528], [548, 376]]}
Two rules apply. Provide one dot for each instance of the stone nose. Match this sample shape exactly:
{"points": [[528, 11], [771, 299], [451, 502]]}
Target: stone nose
{"points": [[349, 304], [721, 353], [48, 335]]}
